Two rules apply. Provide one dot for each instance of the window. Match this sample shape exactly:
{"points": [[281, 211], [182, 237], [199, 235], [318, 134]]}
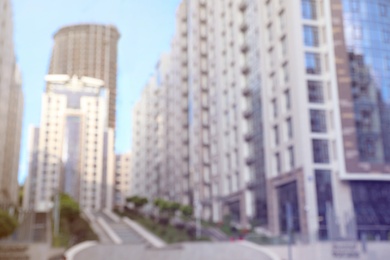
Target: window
{"points": [[291, 159], [287, 98], [315, 92], [285, 73], [311, 36], [276, 134], [284, 46], [357, 32], [275, 108], [324, 198], [383, 9], [282, 21], [387, 63], [270, 34], [309, 9], [320, 151], [278, 163], [386, 36], [318, 121], [289, 128], [355, 6], [269, 9], [313, 63], [368, 149]]}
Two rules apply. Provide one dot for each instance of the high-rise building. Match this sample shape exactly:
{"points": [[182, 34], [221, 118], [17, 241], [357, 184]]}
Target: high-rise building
{"points": [[11, 109], [30, 183], [73, 150], [205, 132], [325, 120], [88, 50], [145, 149], [288, 115], [122, 182]]}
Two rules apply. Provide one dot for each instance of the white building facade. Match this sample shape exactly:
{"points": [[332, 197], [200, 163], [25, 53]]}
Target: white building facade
{"points": [[122, 182], [75, 148], [287, 106], [11, 109]]}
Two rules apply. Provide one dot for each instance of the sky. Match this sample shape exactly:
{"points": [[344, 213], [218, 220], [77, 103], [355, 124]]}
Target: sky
{"points": [[146, 27]]}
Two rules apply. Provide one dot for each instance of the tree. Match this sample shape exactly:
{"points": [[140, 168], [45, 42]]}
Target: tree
{"points": [[69, 209], [8, 224], [158, 201], [174, 206], [186, 211], [138, 202]]}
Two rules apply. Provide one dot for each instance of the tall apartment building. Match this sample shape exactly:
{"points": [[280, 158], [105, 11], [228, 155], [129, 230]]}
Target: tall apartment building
{"points": [[287, 109], [30, 183], [11, 109], [145, 147], [202, 154], [73, 149], [88, 50], [122, 181], [160, 122], [325, 121]]}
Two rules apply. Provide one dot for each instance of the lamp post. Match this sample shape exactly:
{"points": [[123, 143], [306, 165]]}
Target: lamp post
{"points": [[197, 214], [56, 213]]}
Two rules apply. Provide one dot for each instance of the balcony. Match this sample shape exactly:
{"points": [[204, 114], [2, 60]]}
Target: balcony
{"points": [[250, 160], [248, 113], [246, 91], [244, 48], [245, 70], [248, 137], [244, 27], [243, 6]]}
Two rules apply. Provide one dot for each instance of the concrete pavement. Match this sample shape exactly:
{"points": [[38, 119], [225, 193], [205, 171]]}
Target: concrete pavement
{"points": [[185, 251]]}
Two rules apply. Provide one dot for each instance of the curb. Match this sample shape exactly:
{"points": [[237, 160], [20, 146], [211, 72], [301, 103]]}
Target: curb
{"points": [[89, 216], [113, 236], [111, 215], [264, 250], [145, 234], [73, 251]]}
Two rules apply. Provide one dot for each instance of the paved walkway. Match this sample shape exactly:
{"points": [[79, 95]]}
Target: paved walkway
{"points": [[124, 232], [134, 247], [185, 251]]}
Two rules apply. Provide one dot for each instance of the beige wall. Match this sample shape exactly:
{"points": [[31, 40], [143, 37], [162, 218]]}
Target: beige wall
{"points": [[11, 108]]}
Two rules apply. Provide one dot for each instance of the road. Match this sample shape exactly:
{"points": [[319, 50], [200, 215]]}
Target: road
{"points": [[134, 247], [185, 251]]}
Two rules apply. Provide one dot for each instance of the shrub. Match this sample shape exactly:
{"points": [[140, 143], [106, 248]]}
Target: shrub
{"points": [[8, 224], [186, 211]]}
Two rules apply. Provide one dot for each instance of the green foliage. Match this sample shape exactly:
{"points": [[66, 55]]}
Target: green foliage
{"points": [[69, 209], [8, 224], [174, 206], [73, 228], [186, 211], [21, 194], [138, 202], [167, 233], [167, 206]]}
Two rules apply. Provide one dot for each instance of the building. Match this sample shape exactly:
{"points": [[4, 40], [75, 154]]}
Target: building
{"points": [[11, 109], [88, 50], [144, 172], [204, 152], [287, 108], [73, 149], [122, 182], [327, 140]]}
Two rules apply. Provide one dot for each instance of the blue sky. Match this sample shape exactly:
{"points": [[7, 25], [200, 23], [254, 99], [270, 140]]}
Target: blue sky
{"points": [[146, 28]]}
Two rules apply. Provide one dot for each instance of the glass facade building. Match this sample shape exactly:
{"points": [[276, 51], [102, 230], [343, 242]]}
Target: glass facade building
{"points": [[366, 26]]}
